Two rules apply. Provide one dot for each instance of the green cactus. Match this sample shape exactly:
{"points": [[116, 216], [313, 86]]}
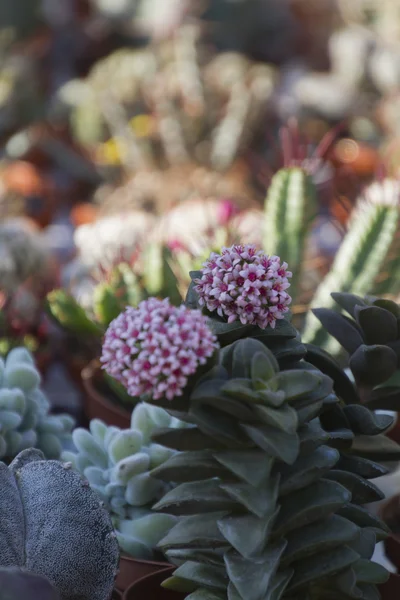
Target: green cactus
{"points": [[55, 527], [116, 463], [24, 410], [362, 254], [290, 208]]}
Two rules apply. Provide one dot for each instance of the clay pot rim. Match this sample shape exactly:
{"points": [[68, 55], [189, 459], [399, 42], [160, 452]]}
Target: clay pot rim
{"points": [[146, 578], [88, 374]]}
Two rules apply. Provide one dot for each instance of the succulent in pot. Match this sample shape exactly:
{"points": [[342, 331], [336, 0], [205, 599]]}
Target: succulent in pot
{"points": [[25, 417], [116, 463], [270, 477], [55, 527]]}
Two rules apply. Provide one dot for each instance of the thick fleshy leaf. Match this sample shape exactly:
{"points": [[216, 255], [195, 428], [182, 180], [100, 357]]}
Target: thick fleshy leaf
{"points": [[318, 537], [252, 577], [370, 572], [348, 301], [296, 384], [364, 543], [194, 532], [377, 448], [373, 365], [311, 436], [252, 466], [362, 490], [321, 565], [247, 533], [342, 385], [388, 305], [204, 575], [269, 398], [242, 358], [203, 594], [196, 497], [190, 466], [307, 469], [334, 419], [363, 518], [283, 418], [263, 366], [228, 333], [310, 504], [361, 466], [260, 501], [177, 584], [229, 397], [345, 331], [278, 444], [185, 439], [379, 326], [341, 439], [387, 398], [241, 389], [216, 425], [310, 412], [364, 421], [192, 297]]}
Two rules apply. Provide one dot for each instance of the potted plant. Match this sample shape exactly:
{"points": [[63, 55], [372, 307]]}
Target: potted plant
{"points": [[121, 286], [271, 473], [116, 463]]}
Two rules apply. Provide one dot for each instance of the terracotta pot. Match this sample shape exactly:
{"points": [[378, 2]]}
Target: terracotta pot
{"points": [[83, 213], [116, 595], [391, 589], [150, 587], [132, 570], [96, 403], [361, 159]]}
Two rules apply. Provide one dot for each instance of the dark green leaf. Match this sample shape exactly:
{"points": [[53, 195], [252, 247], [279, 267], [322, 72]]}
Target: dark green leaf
{"points": [[342, 439], [342, 385], [334, 419], [214, 424], [364, 421], [190, 466], [318, 537], [241, 389], [369, 592], [185, 439], [344, 582], [195, 533], [379, 325], [178, 584], [278, 444], [196, 497], [311, 436], [388, 305], [370, 572], [373, 365], [363, 518], [307, 469], [252, 466], [204, 575], [308, 413], [364, 543], [202, 594], [260, 501], [348, 301], [346, 332], [283, 329], [283, 418], [387, 398], [263, 366], [228, 333], [214, 557], [195, 274], [252, 577], [321, 565], [278, 585], [246, 533], [361, 466], [211, 393], [377, 448], [296, 384], [310, 504], [275, 399], [243, 354], [362, 490]]}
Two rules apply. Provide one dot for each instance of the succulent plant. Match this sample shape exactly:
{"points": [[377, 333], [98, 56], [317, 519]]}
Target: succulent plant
{"points": [[17, 583], [271, 473], [116, 464], [24, 410], [55, 527]]}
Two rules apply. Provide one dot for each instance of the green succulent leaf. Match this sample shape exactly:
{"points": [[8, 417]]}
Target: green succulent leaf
{"points": [[247, 533], [362, 491], [309, 504], [348, 302], [370, 572], [363, 518], [284, 418], [206, 576], [190, 466], [263, 366], [278, 444], [297, 384], [373, 365], [196, 497], [379, 326], [185, 439], [194, 533], [364, 421], [251, 466], [252, 577], [364, 543], [361, 466], [377, 448], [345, 331], [311, 435], [332, 532], [387, 398], [259, 501], [388, 305], [307, 469]]}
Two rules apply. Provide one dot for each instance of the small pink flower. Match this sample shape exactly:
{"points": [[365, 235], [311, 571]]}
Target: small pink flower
{"points": [[246, 284], [155, 347]]}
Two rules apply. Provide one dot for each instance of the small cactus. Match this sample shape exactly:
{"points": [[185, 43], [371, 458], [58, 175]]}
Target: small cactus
{"points": [[54, 527], [116, 464], [24, 410]]}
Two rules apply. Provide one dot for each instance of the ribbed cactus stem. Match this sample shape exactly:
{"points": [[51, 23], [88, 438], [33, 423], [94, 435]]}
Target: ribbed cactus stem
{"points": [[361, 256], [290, 207]]}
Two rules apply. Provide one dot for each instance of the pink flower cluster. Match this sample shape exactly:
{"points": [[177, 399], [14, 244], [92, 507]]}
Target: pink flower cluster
{"points": [[154, 348], [246, 284]]}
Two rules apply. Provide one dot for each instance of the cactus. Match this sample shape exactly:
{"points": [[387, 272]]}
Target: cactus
{"points": [[361, 256], [290, 208], [24, 410], [17, 583], [116, 463], [55, 527]]}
